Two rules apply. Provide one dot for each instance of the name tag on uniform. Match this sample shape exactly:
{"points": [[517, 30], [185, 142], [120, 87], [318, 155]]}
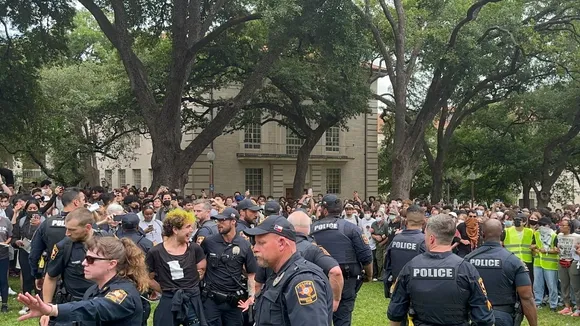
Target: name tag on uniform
{"points": [[57, 223], [434, 273], [404, 245], [486, 262], [326, 226]]}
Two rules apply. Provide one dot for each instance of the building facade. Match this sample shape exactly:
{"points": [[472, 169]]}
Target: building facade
{"points": [[262, 158]]}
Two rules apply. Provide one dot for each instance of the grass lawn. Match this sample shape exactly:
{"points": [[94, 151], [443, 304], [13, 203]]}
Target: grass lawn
{"points": [[370, 310]]}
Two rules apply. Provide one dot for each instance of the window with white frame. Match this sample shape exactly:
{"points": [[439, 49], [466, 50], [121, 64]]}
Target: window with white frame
{"points": [[333, 181], [137, 177], [254, 179], [332, 139], [293, 142], [253, 136], [122, 177]]}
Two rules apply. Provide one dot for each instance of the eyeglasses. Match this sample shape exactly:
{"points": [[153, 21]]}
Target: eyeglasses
{"points": [[91, 259]]}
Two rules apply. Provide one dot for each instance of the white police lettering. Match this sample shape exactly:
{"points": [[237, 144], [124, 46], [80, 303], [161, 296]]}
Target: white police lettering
{"points": [[404, 245], [484, 262], [430, 272], [326, 226], [58, 222], [175, 269]]}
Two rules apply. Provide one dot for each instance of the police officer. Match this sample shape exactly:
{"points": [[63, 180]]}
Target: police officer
{"points": [[505, 275], [227, 255], [460, 294], [51, 231], [317, 255], [130, 230], [298, 293], [207, 226], [405, 246], [271, 208], [345, 243], [66, 261], [248, 215], [112, 299]]}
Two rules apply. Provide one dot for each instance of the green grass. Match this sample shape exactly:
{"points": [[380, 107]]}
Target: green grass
{"points": [[370, 310]]}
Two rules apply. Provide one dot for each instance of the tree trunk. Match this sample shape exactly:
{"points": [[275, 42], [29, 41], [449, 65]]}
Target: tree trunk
{"points": [[437, 183], [542, 201], [302, 162], [402, 177], [526, 187]]}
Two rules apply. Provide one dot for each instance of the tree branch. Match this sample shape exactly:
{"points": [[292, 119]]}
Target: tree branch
{"points": [[472, 14]]}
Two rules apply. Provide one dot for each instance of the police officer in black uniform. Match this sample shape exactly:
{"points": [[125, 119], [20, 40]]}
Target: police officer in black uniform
{"points": [[439, 287], [207, 226], [50, 232], [118, 272], [66, 261], [298, 293], [248, 215], [345, 243], [505, 277], [405, 246], [306, 246], [130, 230], [227, 255]]}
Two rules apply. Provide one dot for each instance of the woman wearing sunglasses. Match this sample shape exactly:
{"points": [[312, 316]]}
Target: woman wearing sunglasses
{"points": [[118, 269]]}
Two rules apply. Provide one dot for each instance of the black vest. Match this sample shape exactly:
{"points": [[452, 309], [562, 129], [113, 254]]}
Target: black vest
{"points": [[329, 233], [404, 247], [54, 231], [491, 263], [270, 307], [435, 294]]}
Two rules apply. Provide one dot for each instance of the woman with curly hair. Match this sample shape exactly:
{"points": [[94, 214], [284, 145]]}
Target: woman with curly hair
{"points": [[118, 269]]}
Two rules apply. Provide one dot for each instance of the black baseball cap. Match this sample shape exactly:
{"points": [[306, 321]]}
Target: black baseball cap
{"points": [[227, 214], [330, 201], [271, 208], [130, 221], [248, 204], [273, 224]]}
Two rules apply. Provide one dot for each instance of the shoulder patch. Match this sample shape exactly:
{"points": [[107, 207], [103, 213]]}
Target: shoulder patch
{"points": [[199, 240], [488, 303], [365, 239], [117, 296], [54, 252], [324, 250], [306, 293]]}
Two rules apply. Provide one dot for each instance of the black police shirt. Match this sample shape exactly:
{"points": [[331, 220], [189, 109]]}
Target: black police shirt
{"points": [[71, 268], [225, 262], [174, 272], [310, 251]]}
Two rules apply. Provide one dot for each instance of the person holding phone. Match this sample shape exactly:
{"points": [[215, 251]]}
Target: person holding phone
{"points": [[21, 239]]}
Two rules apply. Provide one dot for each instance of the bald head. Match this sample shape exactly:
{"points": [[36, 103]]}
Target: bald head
{"points": [[301, 222], [492, 230]]}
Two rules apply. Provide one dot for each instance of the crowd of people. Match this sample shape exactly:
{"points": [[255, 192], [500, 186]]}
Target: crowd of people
{"points": [[213, 259]]}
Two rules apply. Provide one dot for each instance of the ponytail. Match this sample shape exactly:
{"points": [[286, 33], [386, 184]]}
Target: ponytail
{"points": [[134, 266]]}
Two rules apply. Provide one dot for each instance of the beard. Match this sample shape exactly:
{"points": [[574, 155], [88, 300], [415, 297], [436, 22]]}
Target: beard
{"points": [[262, 262], [225, 230]]}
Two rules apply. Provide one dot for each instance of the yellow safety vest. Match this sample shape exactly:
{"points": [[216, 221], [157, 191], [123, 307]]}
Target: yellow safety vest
{"points": [[520, 247], [546, 261]]}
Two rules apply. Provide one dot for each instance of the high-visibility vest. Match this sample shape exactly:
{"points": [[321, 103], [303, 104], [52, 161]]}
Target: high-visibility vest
{"points": [[546, 261], [520, 247]]}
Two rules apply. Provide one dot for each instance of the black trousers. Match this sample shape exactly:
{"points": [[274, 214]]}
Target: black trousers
{"points": [[222, 314], [343, 315], [25, 272]]}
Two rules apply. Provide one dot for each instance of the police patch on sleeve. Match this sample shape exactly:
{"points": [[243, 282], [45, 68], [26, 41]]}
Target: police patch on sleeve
{"points": [[306, 293], [324, 250], [487, 302], [365, 239], [117, 296], [54, 252]]}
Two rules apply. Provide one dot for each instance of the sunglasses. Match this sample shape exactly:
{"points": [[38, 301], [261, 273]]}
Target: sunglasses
{"points": [[472, 215], [91, 259]]}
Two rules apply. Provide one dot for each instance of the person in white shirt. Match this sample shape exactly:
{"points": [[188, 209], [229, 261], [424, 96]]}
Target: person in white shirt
{"points": [[350, 214], [152, 227], [365, 225]]}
